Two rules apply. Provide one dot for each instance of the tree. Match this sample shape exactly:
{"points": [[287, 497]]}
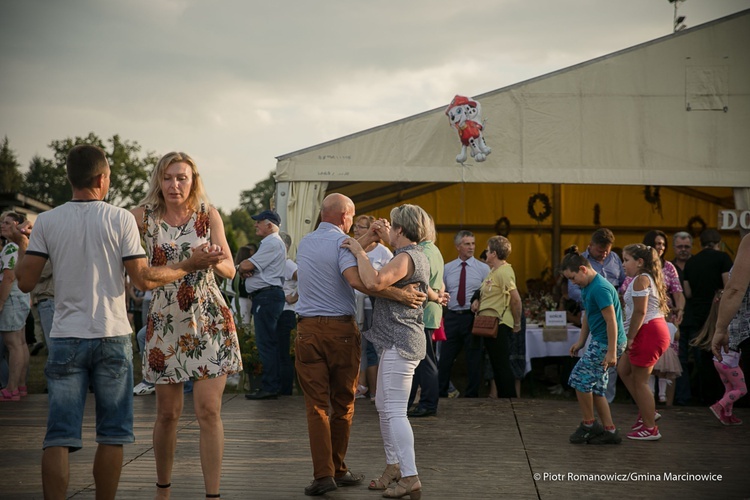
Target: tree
{"points": [[47, 182], [242, 223], [47, 179], [259, 198], [11, 178]]}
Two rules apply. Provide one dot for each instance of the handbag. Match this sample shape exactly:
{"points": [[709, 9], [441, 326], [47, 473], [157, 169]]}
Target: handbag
{"points": [[439, 334], [485, 326]]}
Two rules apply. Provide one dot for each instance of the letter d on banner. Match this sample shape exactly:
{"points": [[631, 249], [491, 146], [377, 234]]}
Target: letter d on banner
{"points": [[728, 219]]}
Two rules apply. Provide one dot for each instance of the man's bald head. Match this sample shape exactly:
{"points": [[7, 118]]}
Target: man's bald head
{"points": [[338, 210]]}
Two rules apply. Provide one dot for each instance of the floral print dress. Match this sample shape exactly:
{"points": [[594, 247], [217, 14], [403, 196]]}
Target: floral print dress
{"points": [[190, 334]]}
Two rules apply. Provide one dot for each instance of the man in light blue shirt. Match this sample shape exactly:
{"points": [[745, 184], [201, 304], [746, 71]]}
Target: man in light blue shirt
{"points": [[264, 277], [605, 262], [609, 266], [458, 317]]}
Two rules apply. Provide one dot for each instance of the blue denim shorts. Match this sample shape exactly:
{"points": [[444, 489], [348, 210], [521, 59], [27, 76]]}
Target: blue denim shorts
{"points": [[14, 313], [589, 375], [107, 365]]}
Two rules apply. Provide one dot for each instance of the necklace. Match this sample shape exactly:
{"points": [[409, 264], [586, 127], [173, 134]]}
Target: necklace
{"points": [[175, 222]]}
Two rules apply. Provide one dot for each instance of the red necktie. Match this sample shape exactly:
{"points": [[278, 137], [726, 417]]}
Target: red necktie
{"points": [[462, 286]]}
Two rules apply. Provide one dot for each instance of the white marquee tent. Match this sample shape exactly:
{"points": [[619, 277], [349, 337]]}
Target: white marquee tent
{"points": [[671, 112]]}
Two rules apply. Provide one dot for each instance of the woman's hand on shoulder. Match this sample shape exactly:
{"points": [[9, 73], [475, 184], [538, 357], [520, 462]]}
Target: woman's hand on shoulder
{"points": [[353, 246]]}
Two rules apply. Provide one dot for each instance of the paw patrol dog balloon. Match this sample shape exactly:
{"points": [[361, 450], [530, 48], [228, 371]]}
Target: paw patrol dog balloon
{"points": [[465, 116]]}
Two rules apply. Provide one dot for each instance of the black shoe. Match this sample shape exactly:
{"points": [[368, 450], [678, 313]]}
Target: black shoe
{"points": [[320, 486], [583, 434], [421, 412], [34, 350], [259, 394], [349, 479]]}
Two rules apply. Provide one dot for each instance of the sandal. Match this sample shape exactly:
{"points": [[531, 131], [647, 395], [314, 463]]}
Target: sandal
{"points": [[406, 487], [6, 395], [391, 473], [22, 390]]}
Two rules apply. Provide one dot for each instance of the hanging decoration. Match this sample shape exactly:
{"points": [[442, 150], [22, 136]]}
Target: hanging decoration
{"points": [[502, 226], [597, 215], [465, 115], [546, 207], [651, 194], [696, 225]]}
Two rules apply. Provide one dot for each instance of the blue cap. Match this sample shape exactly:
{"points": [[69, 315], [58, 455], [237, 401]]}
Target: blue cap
{"points": [[268, 215]]}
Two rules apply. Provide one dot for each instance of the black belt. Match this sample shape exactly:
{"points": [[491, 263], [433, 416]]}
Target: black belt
{"points": [[264, 289], [42, 300], [463, 311], [348, 317]]}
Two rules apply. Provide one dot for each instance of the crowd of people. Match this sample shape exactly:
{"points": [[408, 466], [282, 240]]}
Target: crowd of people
{"points": [[658, 332], [371, 322]]}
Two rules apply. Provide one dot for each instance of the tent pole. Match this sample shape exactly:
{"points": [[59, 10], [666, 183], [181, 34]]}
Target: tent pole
{"points": [[556, 224]]}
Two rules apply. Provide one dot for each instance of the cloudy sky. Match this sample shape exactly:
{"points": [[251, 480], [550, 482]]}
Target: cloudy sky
{"points": [[236, 83]]}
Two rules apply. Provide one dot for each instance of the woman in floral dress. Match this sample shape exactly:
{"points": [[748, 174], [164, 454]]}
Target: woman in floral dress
{"points": [[190, 330]]}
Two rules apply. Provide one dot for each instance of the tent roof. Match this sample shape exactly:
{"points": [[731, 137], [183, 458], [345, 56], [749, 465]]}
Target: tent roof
{"points": [[674, 111]]}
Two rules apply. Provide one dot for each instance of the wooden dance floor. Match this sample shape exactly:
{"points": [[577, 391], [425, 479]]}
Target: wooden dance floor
{"points": [[474, 449]]}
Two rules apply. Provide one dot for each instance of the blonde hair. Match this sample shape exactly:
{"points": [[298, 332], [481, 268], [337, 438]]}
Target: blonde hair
{"points": [[155, 198], [412, 220], [706, 335]]}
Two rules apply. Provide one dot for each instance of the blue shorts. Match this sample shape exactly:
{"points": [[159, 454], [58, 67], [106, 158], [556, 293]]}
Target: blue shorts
{"points": [[589, 375], [14, 313], [74, 364]]}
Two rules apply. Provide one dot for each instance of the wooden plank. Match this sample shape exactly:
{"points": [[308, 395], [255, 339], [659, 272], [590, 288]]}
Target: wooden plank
{"points": [[474, 448]]}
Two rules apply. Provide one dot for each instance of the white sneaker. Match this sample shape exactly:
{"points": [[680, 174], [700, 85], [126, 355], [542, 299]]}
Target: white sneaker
{"points": [[143, 389]]}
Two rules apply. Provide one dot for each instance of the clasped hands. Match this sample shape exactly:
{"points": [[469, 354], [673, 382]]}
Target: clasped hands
{"points": [[206, 255]]}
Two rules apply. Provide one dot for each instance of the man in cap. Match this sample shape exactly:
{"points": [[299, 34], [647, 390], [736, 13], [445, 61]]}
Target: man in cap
{"points": [[264, 278]]}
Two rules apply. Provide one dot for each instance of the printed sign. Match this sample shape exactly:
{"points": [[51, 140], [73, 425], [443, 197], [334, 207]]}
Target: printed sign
{"points": [[554, 318]]}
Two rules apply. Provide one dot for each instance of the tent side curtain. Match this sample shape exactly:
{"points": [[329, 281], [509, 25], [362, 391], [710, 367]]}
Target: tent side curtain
{"points": [[305, 199]]}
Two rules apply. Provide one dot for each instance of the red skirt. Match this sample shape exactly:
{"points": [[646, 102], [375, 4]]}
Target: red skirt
{"points": [[650, 343]]}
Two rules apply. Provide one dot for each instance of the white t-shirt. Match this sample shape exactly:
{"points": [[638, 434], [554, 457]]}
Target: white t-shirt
{"points": [[290, 284], [379, 257], [87, 242], [653, 310]]}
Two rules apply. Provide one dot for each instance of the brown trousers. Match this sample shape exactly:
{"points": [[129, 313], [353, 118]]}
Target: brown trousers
{"points": [[327, 353]]}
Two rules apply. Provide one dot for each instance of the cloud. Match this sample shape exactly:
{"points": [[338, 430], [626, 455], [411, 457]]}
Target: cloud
{"points": [[237, 83]]}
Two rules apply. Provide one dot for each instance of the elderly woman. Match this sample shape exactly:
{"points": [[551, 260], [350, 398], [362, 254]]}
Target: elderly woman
{"points": [[499, 297], [190, 330], [14, 308], [397, 331]]}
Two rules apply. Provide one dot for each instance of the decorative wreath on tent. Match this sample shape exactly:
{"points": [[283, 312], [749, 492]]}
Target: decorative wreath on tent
{"points": [[696, 225], [546, 207], [652, 195], [502, 226]]}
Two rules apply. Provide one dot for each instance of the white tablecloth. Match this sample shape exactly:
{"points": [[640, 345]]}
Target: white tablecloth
{"points": [[536, 347]]}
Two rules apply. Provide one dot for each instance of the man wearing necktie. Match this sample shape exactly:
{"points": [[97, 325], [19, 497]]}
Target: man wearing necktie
{"points": [[462, 276]]}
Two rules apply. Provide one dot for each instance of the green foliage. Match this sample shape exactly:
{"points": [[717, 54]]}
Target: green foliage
{"points": [[11, 178], [47, 182], [258, 198], [47, 179], [244, 226]]}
